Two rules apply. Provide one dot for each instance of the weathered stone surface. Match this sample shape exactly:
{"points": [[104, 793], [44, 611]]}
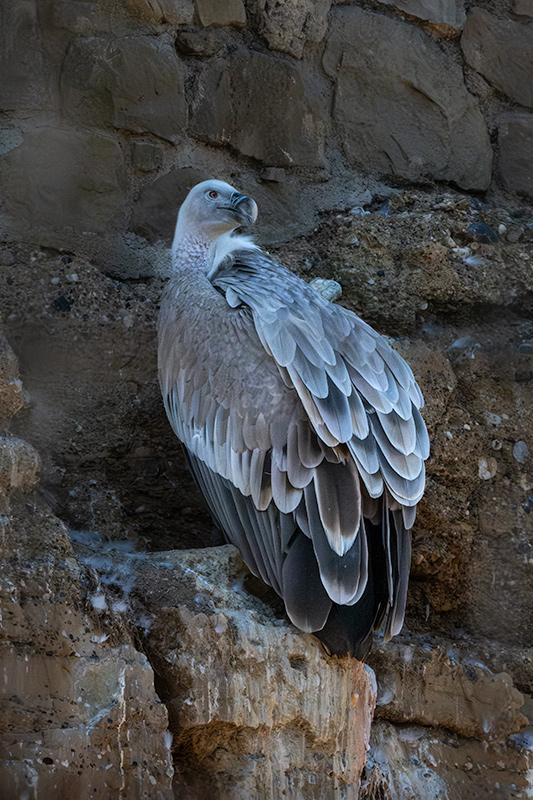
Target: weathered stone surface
{"points": [[133, 82], [401, 105], [11, 395], [19, 464], [22, 85], [445, 688], [239, 685], [515, 138], [212, 12], [155, 212], [446, 14], [258, 105], [412, 762], [146, 156], [60, 179], [79, 713], [173, 12], [502, 51], [204, 42], [76, 16], [289, 26], [524, 8]]}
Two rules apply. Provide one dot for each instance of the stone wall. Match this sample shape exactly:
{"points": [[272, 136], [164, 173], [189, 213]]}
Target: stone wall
{"points": [[111, 110]]}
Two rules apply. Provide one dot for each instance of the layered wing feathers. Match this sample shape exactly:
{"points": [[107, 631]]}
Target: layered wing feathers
{"points": [[297, 416]]}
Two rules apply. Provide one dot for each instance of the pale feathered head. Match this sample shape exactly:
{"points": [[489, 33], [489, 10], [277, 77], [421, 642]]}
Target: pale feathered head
{"points": [[213, 208]]}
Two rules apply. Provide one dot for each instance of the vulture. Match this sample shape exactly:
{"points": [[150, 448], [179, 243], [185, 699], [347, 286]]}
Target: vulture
{"points": [[299, 422]]}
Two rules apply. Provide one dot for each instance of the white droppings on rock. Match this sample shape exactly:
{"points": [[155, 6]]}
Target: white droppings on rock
{"points": [[99, 602], [487, 468]]}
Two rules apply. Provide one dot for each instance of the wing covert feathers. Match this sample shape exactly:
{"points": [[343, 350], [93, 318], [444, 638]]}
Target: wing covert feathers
{"points": [[302, 429]]}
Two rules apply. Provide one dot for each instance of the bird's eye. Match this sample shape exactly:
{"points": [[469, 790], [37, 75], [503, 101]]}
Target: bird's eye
{"points": [[213, 194]]}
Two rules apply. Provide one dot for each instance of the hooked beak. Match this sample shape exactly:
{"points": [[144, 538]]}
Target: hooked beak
{"points": [[244, 207]]}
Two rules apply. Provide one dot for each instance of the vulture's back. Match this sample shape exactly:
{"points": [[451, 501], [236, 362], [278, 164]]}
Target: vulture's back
{"points": [[302, 429]]}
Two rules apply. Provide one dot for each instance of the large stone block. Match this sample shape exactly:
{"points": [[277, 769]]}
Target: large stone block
{"points": [[213, 12], [22, 81], [289, 26], [502, 51], [59, 180], [446, 14], [401, 105], [515, 137], [135, 82], [260, 106], [242, 687]]}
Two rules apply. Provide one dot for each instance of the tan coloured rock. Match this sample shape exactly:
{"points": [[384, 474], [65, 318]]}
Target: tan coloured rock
{"points": [[401, 105], [240, 685], [290, 25], [79, 716], [213, 12], [502, 51], [431, 685]]}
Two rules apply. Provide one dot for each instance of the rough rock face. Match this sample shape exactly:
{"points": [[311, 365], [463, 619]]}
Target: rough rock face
{"points": [[129, 83], [487, 42], [515, 134], [121, 95], [446, 17], [243, 688], [80, 716], [400, 102], [283, 132], [427, 268]]}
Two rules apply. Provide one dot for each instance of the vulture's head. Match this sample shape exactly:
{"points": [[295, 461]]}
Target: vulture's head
{"points": [[213, 207]]}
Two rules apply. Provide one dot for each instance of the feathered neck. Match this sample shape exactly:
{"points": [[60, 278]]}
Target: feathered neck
{"points": [[195, 252]]}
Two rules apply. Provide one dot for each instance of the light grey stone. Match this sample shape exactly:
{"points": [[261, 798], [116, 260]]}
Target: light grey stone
{"points": [[289, 26], [258, 105], [135, 82], [447, 13], [22, 76], [515, 165], [172, 12], [60, 179], [502, 51], [401, 105], [520, 452], [213, 12]]}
